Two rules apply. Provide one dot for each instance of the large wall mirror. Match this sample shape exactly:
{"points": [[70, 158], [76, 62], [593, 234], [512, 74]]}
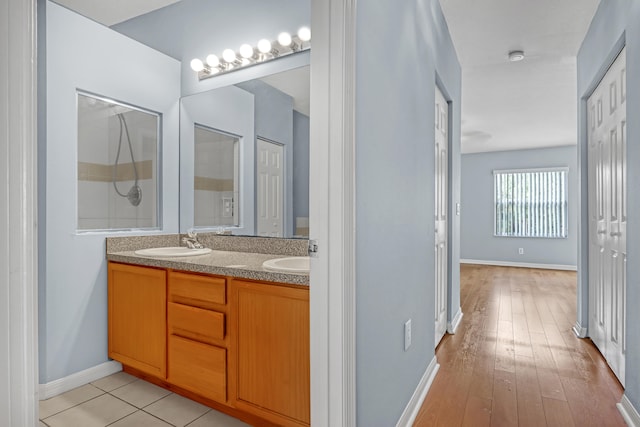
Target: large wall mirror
{"points": [[258, 183], [244, 135]]}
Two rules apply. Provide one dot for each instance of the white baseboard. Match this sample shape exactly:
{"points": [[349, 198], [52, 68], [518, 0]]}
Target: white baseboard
{"points": [[413, 407], [628, 412], [455, 322], [520, 264], [579, 330], [78, 379]]}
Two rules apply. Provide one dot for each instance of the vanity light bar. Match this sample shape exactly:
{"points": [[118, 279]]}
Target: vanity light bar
{"points": [[247, 55]]}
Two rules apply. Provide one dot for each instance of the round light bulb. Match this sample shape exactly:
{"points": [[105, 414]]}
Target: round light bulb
{"points": [[284, 39], [229, 55], [197, 65], [213, 61], [304, 34], [246, 51], [264, 46]]}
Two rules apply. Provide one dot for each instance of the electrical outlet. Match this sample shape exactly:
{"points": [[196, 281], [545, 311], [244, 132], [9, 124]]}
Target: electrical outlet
{"points": [[407, 335], [521, 251]]}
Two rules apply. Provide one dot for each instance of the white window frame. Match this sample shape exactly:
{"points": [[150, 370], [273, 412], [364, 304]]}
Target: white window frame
{"points": [[528, 233]]}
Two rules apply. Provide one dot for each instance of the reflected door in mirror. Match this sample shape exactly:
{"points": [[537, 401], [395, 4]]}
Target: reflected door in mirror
{"points": [[270, 188]]}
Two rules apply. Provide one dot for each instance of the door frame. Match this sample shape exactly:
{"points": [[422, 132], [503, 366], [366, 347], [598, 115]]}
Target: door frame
{"points": [[450, 326], [583, 314], [603, 343], [332, 213], [19, 219]]}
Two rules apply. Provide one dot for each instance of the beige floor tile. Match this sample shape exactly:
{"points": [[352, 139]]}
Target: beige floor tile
{"points": [[41, 424], [97, 412], [140, 393], [177, 410], [68, 400], [140, 419], [217, 419], [114, 381]]}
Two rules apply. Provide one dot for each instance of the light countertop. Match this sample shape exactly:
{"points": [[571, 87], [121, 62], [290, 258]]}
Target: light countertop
{"points": [[242, 265]]}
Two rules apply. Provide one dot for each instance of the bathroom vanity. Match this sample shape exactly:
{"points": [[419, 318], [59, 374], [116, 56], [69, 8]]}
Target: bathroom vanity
{"points": [[230, 337]]}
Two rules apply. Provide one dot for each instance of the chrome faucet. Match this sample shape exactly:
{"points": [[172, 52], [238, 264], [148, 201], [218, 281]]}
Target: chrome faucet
{"points": [[191, 240]]}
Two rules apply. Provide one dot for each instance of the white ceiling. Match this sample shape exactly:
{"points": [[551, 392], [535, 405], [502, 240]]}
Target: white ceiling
{"points": [[525, 104], [295, 83], [112, 12]]}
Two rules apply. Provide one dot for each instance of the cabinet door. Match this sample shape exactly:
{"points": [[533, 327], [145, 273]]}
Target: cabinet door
{"points": [[198, 367], [137, 317], [270, 333]]}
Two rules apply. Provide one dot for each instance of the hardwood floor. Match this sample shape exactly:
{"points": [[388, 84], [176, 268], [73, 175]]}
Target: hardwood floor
{"points": [[515, 361]]}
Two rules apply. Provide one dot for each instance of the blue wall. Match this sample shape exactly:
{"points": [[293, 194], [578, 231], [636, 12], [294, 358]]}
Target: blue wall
{"points": [[300, 166], [404, 47], [196, 28], [274, 122], [615, 22], [477, 241], [73, 268]]}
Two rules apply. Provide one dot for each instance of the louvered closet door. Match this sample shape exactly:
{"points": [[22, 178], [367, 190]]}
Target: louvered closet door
{"points": [[608, 215], [441, 217]]}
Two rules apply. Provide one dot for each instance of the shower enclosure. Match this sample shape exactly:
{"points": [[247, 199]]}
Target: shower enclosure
{"points": [[118, 152]]}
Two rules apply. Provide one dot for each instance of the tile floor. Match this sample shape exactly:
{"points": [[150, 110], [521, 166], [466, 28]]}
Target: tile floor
{"points": [[122, 400]]}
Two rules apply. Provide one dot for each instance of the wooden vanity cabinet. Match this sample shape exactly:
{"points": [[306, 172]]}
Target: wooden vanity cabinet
{"points": [[270, 341], [137, 317], [197, 359], [240, 346]]}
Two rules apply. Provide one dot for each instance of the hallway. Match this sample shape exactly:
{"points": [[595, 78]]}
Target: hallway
{"points": [[515, 360]]}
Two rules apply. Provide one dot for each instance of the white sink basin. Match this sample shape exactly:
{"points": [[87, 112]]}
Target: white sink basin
{"points": [[296, 264], [177, 251]]}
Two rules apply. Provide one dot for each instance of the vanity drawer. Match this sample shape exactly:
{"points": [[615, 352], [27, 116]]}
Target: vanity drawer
{"points": [[197, 291], [198, 367], [195, 323]]}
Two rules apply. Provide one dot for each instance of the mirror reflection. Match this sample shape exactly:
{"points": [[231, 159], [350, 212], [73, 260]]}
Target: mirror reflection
{"points": [[215, 181], [229, 195], [244, 157]]}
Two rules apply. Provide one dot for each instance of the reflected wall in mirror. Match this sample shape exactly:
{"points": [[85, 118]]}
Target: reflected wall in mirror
{"points": [[183, 30], [117, 165], [269, 117], [215, 182]]}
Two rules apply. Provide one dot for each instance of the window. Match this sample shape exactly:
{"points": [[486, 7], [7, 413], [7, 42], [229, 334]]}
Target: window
{"points": [[118, 153], [531, 203]]}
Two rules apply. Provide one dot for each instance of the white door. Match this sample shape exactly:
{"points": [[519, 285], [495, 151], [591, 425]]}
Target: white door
{"points": [[270, 175], [608, 215], [442, 192]]}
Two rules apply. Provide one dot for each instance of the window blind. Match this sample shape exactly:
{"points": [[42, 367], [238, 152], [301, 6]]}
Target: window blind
{"points": [[531, 203]]}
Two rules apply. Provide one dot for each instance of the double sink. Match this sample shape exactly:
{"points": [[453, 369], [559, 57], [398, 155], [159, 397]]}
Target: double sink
{"points": [[299, 264]]}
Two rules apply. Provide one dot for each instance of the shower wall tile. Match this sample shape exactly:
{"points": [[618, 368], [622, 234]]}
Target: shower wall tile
{"points": [[203, 207], [105, 172], [92, 200]]}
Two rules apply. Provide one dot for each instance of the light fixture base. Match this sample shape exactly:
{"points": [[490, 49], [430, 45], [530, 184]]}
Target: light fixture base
{"points": [[516, 55]]}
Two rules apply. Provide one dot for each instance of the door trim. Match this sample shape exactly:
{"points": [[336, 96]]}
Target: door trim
{"points": [[332, 213], [628, 412], [18, 252], [582, 307]]}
